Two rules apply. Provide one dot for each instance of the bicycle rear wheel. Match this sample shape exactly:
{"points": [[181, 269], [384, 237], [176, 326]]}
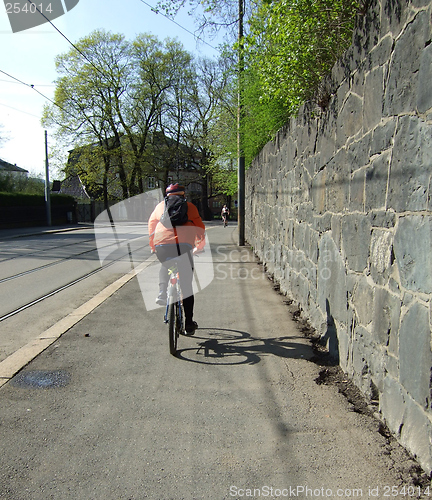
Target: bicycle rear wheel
{"points": [[175, 324], [172, 320]]}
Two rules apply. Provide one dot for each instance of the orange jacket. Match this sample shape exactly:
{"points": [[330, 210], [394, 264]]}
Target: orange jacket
{"points": [[193, 232]]}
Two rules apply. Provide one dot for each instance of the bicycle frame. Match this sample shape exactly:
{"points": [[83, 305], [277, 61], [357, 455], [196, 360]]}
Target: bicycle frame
{"points": [[174, 291]]}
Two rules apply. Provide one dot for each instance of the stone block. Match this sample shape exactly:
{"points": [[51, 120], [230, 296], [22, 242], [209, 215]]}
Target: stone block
{"points": [[313, 246], [383, 136], [410, 166], [424, 95], [349, 120], [381, 53], [430, 195], [380, 258], [322, 223], [392, 366], [382, 218], [326, 141], [392, 404], [401, 91], [363, 301], [310, 164], [412, 250], [386, 316], [416, 434], [357, 154], [336, 230], [373, 98], [376, 183], [357, 190], [360, 354], [356, 237], [415, 353], [337, 184], [318, 192], [332, 288]]}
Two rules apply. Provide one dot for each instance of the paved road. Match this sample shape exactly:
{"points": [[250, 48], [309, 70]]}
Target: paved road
{"points": [[37, 263], [106, 413]]}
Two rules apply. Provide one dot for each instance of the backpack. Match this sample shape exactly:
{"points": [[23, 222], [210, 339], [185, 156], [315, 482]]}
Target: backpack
{"points": [[176, 211]]}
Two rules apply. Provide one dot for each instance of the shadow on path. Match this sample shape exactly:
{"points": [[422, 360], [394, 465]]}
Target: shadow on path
{"points": [[235, 347]]}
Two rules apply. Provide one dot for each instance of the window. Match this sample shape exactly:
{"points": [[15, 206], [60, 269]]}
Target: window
{"points": [[151, 182]]}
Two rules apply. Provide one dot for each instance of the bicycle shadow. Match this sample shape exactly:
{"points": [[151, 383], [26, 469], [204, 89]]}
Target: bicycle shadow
{"points": [[235, 347]]}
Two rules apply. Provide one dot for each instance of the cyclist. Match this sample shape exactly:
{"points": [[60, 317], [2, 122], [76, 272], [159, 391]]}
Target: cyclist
{"points": [[177, 242], [224, 214]]}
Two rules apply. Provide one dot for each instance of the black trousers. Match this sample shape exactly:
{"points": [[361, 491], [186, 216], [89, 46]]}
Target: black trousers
{"points": [[165, 254]]}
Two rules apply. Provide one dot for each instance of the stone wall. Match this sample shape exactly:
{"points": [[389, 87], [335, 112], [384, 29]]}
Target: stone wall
{"points": [[339, 208]]}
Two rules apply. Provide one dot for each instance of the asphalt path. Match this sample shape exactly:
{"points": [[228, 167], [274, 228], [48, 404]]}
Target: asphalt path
{"points": [[105, 412]]}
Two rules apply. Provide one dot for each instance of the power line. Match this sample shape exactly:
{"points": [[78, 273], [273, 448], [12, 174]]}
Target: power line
{"points": [[85, 57], [40, 85], [19, 110], [67, 39], [179, 25], [28, 85]]}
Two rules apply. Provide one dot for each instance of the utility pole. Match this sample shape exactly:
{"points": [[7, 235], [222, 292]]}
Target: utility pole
{"points": [[241, 159], [47, 184]]}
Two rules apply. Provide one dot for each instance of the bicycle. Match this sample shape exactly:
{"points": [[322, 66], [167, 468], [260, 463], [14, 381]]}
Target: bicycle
{"points": [[224, 220], [174, 314]]}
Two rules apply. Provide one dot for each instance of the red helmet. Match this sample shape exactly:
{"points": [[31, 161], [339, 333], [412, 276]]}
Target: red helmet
{"points": [[175, 189]]}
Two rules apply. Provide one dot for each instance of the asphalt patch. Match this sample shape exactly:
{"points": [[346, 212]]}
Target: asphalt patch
{"points": [[41, 379]]}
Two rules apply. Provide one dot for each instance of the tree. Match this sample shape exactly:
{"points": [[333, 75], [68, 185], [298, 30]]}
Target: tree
{"points": [[94, 75], [12, 183], [114, 99], [291, 48], [3, 137]]}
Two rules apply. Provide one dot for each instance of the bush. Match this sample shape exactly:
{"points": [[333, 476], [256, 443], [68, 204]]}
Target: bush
{"points": [[33, 200]]}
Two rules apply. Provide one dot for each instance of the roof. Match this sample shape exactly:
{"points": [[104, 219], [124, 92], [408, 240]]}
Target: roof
{"points": [[8, 167], [73, 186]]}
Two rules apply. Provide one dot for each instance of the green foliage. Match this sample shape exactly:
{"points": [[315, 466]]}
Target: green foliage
{"points": [[32, 200], [11, 183], [291, 47]]}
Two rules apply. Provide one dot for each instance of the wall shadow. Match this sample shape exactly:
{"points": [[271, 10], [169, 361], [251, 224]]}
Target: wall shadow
{"points": [[330, 338]]}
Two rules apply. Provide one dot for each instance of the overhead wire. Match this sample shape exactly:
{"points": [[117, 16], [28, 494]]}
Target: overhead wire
{"points": [[153, 9], [156, 11], [67, 39], [19, 110], [27, 85]]}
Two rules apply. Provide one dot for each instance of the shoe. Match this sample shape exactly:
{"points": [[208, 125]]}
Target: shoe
{"points": [[161, 299], [191, 327]]}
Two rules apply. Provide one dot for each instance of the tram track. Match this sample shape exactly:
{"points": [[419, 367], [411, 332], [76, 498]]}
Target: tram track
{"points": [[40, 252], [51, 264], [67, 285]]}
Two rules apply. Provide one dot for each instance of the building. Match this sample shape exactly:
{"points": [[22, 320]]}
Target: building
{"points": [[9, 169]]}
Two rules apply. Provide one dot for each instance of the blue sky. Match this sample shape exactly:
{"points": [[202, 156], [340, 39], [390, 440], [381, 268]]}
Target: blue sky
{"points": [[29, 56]]}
